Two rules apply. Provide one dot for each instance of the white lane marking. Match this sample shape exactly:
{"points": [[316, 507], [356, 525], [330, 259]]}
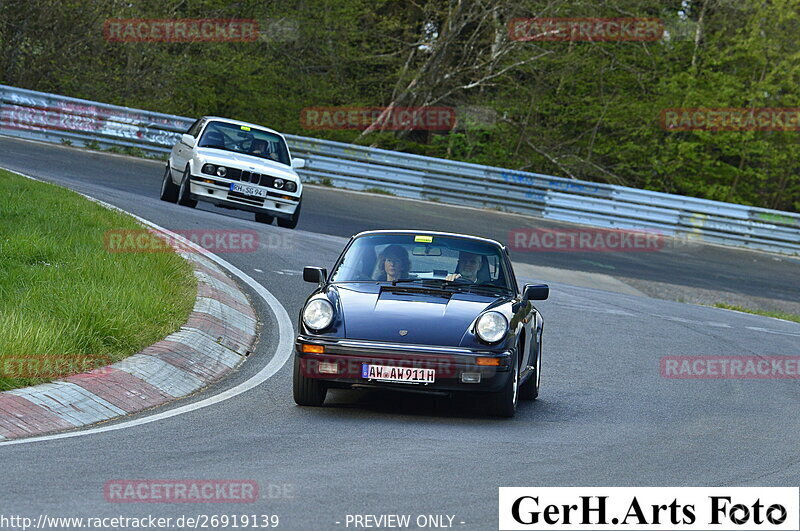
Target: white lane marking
{"points": [[290, 272], [257, 270], [595, 309], [282, 353], [768, 331]]}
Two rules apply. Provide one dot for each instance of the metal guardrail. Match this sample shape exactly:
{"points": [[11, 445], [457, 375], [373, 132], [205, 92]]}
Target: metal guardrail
{"points": [[59, 119]]}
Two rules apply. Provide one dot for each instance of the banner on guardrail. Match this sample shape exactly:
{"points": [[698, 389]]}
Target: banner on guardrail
{"points": [[30, 113]]}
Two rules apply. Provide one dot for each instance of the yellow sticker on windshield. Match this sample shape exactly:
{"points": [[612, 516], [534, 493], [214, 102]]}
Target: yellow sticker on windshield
{"points": [[245, 128], [423, 239]]}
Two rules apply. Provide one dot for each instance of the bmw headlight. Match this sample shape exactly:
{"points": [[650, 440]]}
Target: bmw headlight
{"points": [[222, 171], [291, 186], [491, 327], [318, 314], [209, 169]]}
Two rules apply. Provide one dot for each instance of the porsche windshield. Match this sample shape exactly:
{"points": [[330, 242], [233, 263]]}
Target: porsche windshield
{"points": [[244, 139], [420, 257]]}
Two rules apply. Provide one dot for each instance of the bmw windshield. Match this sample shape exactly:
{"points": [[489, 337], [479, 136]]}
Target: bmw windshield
{"points": [[246, 140], [423, 258]]}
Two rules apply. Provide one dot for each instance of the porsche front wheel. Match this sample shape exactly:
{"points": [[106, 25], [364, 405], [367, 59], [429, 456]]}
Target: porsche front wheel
{"points": [[307, 391], [504, 402], [530, 389]]}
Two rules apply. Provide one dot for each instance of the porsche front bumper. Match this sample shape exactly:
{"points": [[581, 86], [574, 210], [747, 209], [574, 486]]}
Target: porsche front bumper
{"points": [[342, 360]]}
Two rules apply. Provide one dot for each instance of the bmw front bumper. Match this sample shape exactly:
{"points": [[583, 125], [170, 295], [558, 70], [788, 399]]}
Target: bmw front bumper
{"points": [[217, 192]]}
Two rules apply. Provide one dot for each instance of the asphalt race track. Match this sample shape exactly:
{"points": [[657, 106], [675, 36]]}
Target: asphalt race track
{"points": [[605, 417]]}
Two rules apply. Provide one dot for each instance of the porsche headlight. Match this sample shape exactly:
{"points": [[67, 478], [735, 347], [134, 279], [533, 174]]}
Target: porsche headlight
{"points": [[491, 327], [318, 314]]}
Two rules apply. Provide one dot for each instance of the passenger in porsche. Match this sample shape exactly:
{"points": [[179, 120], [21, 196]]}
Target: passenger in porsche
{"points": [[393, 264]]}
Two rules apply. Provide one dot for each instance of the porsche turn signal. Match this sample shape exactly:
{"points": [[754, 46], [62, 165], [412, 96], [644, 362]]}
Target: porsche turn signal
{"points": [[314, 349]]}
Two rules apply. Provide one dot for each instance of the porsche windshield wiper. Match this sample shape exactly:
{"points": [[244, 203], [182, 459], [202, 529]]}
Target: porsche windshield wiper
{"points": [[440, 282], [458, 284], [455, 285], [484, 287]]}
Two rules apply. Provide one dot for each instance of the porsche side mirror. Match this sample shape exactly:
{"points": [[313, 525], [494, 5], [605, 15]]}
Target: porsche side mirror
{"points": [[318, 275], [189, 140], [535, 292], [298, 163]]}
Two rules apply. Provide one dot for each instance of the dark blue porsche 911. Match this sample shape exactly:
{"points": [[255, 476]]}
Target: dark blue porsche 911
{"points": [[420, 311]]}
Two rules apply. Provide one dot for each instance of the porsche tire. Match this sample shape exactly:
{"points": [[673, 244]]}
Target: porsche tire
{"points": [[530, 389], [504, 402], [169, 190], [307, 391]]}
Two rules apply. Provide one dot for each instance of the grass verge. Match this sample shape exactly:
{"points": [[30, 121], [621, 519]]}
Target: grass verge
{"points": [[777, 315], [65, 301]]}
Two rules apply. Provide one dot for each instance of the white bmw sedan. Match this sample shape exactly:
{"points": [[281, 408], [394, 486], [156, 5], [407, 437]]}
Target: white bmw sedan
{"points": [[235, 165]]}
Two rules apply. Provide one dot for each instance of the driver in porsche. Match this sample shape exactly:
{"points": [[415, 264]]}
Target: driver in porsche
{"points": [[468, 266]]}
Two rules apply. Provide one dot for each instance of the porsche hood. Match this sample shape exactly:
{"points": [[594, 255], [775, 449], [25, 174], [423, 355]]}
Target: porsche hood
{"points": [[409, 314]]}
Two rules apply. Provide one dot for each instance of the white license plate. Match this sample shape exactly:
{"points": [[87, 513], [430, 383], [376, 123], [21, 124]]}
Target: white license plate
{"points": [[248, 190], [385, 373]]}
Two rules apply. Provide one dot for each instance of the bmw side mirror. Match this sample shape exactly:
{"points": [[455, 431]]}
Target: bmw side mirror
{"points": [[317, 275], [535, 292], [188, 139], [298, 163]]}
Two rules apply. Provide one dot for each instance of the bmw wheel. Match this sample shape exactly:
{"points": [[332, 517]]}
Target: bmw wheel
{"points": [[264, 218], [169, 191], [291, 222], [184, 196]]}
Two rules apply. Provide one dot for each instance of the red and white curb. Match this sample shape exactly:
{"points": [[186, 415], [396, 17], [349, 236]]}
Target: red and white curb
{"points": [[220, 332]]}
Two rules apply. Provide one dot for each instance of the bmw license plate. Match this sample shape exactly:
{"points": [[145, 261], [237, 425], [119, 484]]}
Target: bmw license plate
{"points": [[385, 373], [248, 190]]}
